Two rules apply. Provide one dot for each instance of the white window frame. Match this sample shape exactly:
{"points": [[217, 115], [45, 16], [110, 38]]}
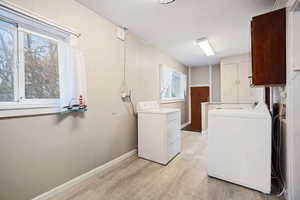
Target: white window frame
{"points": [[22, 106], [171, 99], [15, 68], [22, 97]]}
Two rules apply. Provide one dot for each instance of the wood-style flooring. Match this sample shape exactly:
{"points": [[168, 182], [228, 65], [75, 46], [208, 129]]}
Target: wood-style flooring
{"points": [[185, 178]]}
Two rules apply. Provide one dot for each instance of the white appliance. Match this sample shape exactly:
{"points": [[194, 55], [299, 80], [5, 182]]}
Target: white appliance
{"points": [[239, 146], [159, 134]]}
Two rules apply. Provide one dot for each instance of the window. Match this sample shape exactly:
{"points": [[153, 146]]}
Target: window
{"points": [[29, 68], [172, 85], [8, 55], [41, 68]]}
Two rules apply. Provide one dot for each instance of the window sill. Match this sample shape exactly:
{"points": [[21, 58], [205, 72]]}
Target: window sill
{"points": [[28, 110], [171, 101]]}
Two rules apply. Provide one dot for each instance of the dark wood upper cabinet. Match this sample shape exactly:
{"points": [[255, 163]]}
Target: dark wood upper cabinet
{"points": [[268, 35]]}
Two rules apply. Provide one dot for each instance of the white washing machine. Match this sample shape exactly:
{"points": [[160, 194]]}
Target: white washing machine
{"points": [[159, 134], [239, 146]]}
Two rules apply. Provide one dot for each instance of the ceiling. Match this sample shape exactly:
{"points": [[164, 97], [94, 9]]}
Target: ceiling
{"points": [[174, 28]]}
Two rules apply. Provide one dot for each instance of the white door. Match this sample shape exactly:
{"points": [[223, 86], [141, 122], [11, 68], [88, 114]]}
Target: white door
{"points": [[244, 90], [229, 89]]}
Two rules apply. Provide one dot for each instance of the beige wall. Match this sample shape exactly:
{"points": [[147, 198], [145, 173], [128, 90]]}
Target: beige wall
{"points": [[200, 75], [143, 73], [41, 152], [216, 83]]}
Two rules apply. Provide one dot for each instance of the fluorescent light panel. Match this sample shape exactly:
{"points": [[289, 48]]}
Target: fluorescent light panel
{"points": [[166, 1], [206, 47]]}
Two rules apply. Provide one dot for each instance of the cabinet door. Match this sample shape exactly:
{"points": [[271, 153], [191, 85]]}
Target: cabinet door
{"points": [[269, 48], [244, 90], [229, 89]]}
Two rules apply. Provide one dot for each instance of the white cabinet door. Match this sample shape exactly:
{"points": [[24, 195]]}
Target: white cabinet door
{"points": [[229, 89], [244, 90]]}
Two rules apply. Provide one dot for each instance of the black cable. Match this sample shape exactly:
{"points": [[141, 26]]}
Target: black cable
{"points": [[276, 154]]}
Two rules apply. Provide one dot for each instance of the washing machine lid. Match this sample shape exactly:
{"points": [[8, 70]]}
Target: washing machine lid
{"points": [[259, 111], [244, 113], [160, 111], [153, 107], [147, 105]]}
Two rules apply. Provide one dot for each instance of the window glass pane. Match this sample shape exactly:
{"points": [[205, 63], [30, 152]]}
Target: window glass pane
{"points": [[7, 62], [176, 85], [172, 84], [41, 68]]}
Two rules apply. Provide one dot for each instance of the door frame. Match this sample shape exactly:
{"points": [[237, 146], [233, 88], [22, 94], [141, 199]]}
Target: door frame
{"points": [[190, 85], [290, 101]]}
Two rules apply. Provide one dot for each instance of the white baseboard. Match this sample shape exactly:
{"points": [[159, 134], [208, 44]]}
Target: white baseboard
{"points": [[204, 132], [83, 177], [185, 124]]}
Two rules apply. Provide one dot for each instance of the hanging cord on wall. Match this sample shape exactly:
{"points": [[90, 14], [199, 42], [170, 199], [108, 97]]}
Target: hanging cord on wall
{"points": [[127, 97], [132, 106], [124, 56]]}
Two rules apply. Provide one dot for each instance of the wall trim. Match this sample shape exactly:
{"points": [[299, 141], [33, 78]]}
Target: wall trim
{"points": [[290, 193], [210, 83], [189, 88], [185, 124], [200, 85], [84, 176]]}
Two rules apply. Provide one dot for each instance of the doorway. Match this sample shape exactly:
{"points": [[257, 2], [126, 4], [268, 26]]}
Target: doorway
{"points": [[198, 95]]}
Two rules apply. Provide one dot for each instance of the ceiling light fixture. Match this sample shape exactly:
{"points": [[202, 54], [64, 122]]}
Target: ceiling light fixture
{"points": [[206, 46], [166, 1]]}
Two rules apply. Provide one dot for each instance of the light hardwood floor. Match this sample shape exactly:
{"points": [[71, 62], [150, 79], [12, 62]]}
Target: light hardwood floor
{"points": [[185, 178]]}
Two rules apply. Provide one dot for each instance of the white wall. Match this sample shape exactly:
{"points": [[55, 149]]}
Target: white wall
{"points": [[200, 75], [39, 153], [143, 73]]}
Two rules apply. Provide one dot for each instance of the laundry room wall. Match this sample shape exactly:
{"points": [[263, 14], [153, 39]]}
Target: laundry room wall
{"points": [[216, 83], [38, 153], [146, 59], [200, 75]]}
